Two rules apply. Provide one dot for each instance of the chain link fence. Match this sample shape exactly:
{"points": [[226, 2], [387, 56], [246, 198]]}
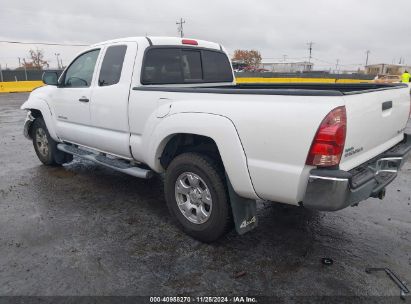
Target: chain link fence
{"points": [[23, 75]]}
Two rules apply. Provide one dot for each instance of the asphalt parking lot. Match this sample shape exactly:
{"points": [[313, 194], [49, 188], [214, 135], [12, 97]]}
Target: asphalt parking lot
{"points": [[82, 229]]}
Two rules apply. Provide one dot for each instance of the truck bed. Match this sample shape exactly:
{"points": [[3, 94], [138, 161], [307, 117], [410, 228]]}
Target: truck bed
{"points": [[276, 124], [295, 89]]}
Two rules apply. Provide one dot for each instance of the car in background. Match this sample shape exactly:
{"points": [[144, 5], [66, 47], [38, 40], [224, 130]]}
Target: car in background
{"points": [[382, 78]]}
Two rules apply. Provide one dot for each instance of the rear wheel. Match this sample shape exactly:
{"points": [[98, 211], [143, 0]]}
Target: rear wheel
{"points": [[45, 146], [197, 196]]}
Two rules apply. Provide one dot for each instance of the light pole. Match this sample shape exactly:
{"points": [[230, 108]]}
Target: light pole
{"points": [[366, 59], [58, 62]]}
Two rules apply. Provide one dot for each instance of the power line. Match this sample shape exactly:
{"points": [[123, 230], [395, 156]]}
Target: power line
{"points": [[352, 64], [323, 60], [42, 43], [280, 58], [328, 63], [180, 27]]}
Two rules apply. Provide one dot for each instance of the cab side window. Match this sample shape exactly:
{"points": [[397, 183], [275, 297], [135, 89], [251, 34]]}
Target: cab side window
{"points": [[80, 72], [112, 65]]}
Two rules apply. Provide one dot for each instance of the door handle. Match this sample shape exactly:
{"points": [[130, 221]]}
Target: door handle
{"points": [[84, 99]]}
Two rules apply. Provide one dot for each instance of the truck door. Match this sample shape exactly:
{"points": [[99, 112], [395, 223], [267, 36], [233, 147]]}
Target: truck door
{"points": [[109, 109], [71, 100]]}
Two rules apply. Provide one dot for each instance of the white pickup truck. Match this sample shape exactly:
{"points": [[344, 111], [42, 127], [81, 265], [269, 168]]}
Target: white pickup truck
{"points": [[169, 105]]}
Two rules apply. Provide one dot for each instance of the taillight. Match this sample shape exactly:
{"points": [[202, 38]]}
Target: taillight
{"points": [[328, 144], [189, 41]]}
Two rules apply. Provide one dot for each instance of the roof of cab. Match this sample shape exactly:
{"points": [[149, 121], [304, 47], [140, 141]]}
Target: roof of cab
{"points": [[162, 41]]}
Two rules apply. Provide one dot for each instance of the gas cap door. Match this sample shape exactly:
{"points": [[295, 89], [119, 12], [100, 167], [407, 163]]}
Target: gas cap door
{"points": [[164, 107]]}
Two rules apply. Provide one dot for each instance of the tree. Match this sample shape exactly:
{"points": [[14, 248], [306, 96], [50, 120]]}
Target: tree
{"points": [[250, 58], [37, 61]]}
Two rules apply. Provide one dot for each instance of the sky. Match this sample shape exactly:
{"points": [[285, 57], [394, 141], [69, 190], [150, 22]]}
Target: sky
{"points": [[340, 29]]}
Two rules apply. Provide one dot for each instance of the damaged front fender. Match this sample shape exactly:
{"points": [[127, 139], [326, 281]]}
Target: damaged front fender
{"points": [[37, 106], [27, 124]]}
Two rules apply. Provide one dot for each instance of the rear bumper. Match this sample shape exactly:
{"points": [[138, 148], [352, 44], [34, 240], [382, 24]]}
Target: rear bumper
{"points": [[331, 190]]}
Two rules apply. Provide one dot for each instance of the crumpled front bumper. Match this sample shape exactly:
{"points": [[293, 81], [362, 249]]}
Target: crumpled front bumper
{"points": [[331, 190]]}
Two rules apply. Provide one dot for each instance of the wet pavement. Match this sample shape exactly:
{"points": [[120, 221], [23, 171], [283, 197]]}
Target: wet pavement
{"points": [[83, 229]]}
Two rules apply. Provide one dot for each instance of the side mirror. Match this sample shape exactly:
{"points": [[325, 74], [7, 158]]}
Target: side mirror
{"points": [[50, 78]]}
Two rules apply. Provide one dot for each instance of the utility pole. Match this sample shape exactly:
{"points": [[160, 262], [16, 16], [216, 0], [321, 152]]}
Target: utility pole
{"points": [[180, 27], [25, 70], [58, 62], [1, 74], [19, 61], [61, 63], [310, 49], [366, 59], [284, 58], [336, 66]]}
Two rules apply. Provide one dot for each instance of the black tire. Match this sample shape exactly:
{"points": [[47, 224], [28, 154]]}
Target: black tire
{"points": [[46, 149], [219, 220]]}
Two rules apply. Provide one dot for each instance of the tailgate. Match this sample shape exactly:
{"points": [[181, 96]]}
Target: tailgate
{"points": [[375, 122]]}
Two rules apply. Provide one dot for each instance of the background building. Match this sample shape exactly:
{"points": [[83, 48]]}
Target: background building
{"points": [[286, 66], [389, 69]]}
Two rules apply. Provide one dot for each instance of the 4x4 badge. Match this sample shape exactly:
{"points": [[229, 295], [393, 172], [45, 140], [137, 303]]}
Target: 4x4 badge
{"points": [[245, 223]]}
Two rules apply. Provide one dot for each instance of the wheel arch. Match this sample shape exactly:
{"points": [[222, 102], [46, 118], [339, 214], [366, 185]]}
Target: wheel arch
{"points": [[215, 134], [179, 143], [39, 108]]}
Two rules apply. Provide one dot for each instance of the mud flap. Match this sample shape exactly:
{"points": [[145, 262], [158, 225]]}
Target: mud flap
{"points": [[244, 211]]}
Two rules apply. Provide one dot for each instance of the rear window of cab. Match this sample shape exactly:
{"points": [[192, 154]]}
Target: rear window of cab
{"points": [[163, 65]]}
